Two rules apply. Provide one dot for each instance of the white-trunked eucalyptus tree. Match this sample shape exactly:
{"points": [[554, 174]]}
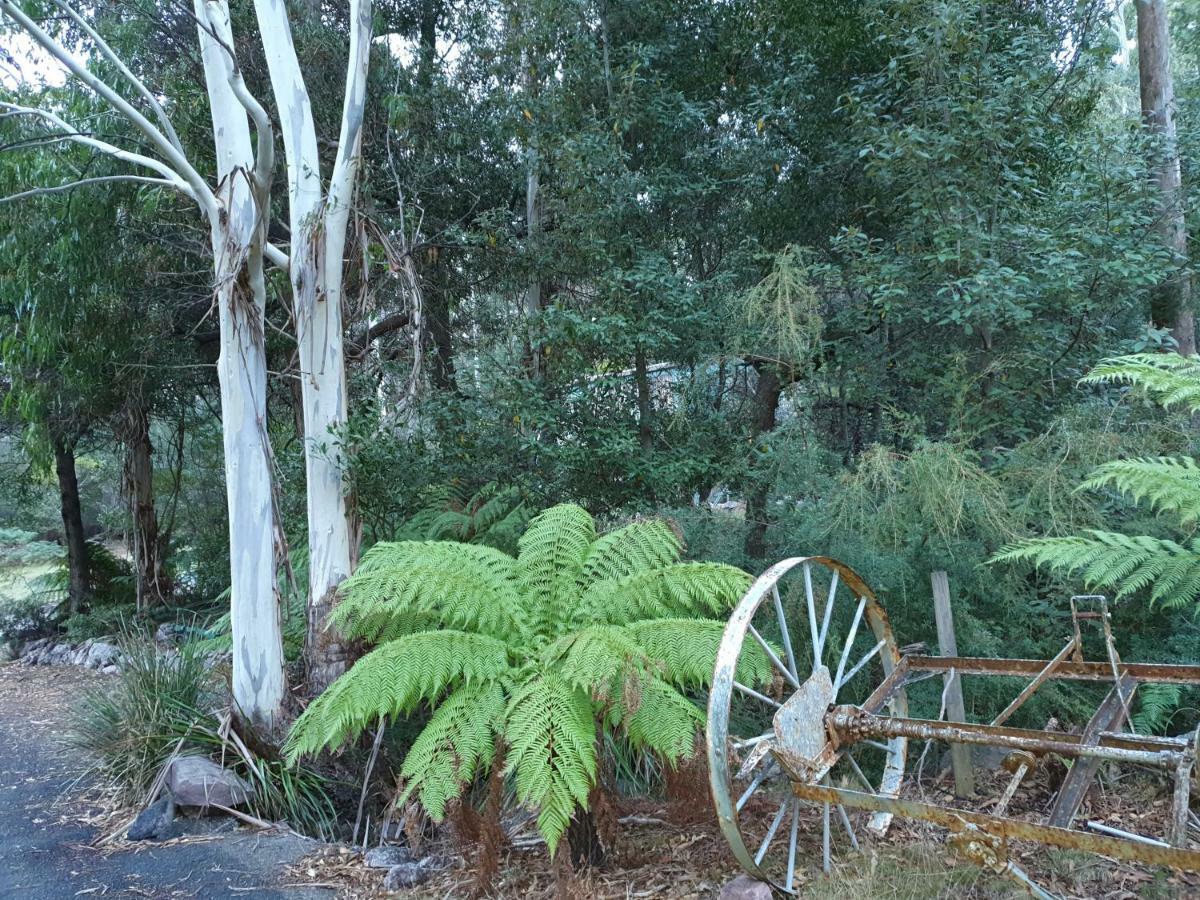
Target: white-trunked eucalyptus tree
{"points": [[234, 211], [318, 219]]}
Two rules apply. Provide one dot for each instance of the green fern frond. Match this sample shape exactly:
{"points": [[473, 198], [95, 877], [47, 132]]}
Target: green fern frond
{"points": [[686, 651], [596, 658], [458, 743], [1157, 703], [1169, 484], [1167, 378], [393, 679], [637, 547], [461, 585], [683, 589], [661, 719], [550, 562], [1126, 563], [552, 750]]}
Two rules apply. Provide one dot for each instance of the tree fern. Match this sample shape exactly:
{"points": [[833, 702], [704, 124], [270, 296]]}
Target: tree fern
{"points": [[1127, 564], [576, 633]]}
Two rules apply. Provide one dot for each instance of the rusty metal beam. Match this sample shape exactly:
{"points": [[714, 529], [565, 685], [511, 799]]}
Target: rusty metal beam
{"points": [[1110, 714], [852, 724], [1006, 829], [1151, 673], [888, 688], [1037, 682]]}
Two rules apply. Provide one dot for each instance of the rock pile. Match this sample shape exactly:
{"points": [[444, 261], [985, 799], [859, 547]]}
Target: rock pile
{"points": [[92, 654]]}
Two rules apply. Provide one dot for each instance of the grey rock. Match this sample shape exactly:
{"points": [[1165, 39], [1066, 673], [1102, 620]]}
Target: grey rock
{"points": [[111, 670], [406, 875], [169, 634], [7, 653], [101, 654], [387, 857], [198, 781], [79, 656], [155, 822], [745, 888]]}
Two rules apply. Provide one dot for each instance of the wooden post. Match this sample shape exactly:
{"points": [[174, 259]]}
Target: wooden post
{"points": [[960, 754]]}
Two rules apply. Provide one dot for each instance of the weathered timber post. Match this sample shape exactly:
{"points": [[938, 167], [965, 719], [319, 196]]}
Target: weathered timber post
{"points": [[960, 754]]}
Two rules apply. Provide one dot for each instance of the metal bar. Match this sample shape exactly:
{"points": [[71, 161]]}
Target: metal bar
{"points": [[1110, 714], [858, 665], [1151, 673], [812, 614], [829, 598], [762, 850], [888, 688], [791, 869], [750, 692], [783, 630], [1015, 829], [771, 655], [862, 604], [1037, 682], [852, 724], [1128, 835]]}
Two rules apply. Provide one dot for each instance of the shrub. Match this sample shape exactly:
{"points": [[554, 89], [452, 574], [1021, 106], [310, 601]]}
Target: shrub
{"points": [[165, 703], [578, 635]]}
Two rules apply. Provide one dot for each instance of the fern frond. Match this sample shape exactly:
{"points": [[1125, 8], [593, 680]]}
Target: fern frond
{"points": [[393, 679], [1127, 563], [683, 589], [461, 585], [1170, 484], [634, 548], [552, 750], [686, 651], [1167, 378], [596, 658], [550, 563], [458, 743], [1157, 703], [661, 719]]}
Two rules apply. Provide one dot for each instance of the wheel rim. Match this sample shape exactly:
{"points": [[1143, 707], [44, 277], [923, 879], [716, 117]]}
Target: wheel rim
{"points": [[790, 634]]}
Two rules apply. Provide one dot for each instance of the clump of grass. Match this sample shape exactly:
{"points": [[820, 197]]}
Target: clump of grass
{"points": [[169, 703]]}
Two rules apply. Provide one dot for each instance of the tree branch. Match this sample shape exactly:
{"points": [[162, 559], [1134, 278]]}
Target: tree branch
{"points": [[82, 182], [184, 169], [138, 85]]}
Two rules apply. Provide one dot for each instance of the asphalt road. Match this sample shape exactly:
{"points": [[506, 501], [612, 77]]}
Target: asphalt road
{"points": [[45, 854]]}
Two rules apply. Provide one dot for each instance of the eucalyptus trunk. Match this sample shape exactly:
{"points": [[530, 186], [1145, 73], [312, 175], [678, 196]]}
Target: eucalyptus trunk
{"points": [[319, 224], [150, 581], [1171, 305]]}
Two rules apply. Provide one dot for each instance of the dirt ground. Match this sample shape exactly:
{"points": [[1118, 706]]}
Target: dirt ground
{"points": [[57, 841]]}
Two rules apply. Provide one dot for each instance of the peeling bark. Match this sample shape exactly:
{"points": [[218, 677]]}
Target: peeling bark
{"points": [[78, 580]]}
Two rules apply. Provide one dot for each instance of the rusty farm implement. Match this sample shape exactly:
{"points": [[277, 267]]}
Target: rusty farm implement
{"points": [[824, 740]]}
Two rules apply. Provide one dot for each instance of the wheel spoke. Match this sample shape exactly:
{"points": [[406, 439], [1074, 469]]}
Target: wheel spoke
{"points": [[750, 692], [753, 786], [750, 742], [771, 655], [862, 662], [849, 828], [877, 745], [833, 586], [783, 628], [862, 604], [825, 861], [811, 603], [762, 850], [859, 772], [791, 869]]}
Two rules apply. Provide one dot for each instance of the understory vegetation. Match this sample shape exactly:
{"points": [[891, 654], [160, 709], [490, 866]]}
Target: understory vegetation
{"points": [[634, 300]]}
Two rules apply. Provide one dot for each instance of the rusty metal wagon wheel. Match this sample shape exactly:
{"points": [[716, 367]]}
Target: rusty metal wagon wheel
{"points": [[821, 639]]}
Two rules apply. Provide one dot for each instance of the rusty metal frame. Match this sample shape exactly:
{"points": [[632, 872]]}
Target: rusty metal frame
{"points": [[1005, 828], [1153, 673]]}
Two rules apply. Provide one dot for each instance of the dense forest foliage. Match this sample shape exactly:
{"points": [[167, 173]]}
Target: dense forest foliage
{"points": [[799, 278]]}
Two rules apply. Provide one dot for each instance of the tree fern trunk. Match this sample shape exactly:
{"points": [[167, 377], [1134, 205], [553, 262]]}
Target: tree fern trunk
{"points": [[587, 850]]}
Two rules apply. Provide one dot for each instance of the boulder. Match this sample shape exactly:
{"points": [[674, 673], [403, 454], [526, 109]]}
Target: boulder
{"points": [[407, 875], [745, 888], [155, 823], [101, 654], [198, 781], [79, 656], [169, 634], [387, 857], [110, 670]]}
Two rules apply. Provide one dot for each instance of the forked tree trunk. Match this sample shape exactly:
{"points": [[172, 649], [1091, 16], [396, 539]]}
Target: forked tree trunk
{"points": [[78, 581], [1171, 304], [319, 223]]}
